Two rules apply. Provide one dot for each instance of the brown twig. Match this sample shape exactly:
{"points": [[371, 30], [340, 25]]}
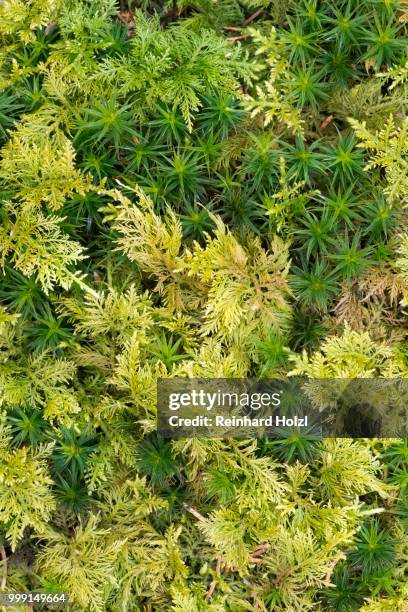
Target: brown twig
{"points": [[242, 37], [340, 555], [50, 28], [252, 17], [4, 577], [326, 122], [232, 29], [194, 512], [260, 550], [214, 582], [126, 17]]}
